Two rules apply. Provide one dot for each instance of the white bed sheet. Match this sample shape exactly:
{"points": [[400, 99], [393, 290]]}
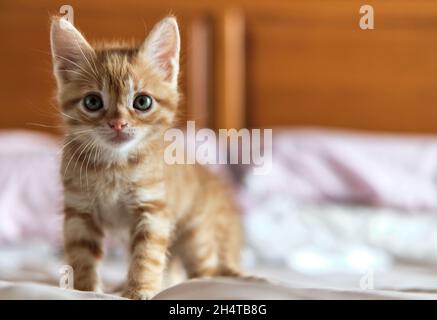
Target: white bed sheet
{"points": [[33, 272]]}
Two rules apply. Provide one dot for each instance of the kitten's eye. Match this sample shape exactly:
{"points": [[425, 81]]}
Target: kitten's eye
{"points": [[143, 102], [92, 102]]}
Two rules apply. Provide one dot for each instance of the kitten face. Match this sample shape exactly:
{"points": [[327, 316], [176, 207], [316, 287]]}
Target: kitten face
{"points": [[116, 97]]}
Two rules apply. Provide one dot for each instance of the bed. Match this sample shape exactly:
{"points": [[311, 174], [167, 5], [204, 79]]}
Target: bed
{"points": [[321, 225]]}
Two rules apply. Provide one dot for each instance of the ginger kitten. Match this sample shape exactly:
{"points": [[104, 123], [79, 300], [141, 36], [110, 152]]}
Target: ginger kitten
{"points": [[117, 101]]}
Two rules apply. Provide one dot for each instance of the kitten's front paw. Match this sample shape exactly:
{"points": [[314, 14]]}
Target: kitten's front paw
{"points": [[138, 294], [88, 286]]}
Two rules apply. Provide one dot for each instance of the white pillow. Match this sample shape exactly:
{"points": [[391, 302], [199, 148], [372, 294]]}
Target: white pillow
{"points": [[30, 189]]}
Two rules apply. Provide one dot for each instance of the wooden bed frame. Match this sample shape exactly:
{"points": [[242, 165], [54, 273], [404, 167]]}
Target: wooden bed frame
{"points": [[250, 63]]}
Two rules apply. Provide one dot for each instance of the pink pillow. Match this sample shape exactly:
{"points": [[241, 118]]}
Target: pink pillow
{"points": [[30, 189]]}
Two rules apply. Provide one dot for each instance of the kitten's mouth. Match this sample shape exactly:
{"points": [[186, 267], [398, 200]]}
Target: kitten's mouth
{"points": [[120, 138]]}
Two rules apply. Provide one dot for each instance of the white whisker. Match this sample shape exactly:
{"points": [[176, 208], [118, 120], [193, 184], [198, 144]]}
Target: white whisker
{"points": [[88, 162], [77, 160], [77, 65], [86, 59], [68, 116], [71, 158]]}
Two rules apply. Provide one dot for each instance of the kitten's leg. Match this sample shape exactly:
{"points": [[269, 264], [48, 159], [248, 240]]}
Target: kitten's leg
{"points": [[211, 248], [149, 242], [83, 248], [199, 252], [203, 256]]}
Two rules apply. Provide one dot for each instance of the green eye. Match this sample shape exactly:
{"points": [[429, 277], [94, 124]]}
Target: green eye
{"points": [[92, 102], [143, 102]]}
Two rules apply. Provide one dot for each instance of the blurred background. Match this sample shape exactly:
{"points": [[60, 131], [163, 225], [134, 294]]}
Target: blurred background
{"points": [[354, 114], [251, 63]]}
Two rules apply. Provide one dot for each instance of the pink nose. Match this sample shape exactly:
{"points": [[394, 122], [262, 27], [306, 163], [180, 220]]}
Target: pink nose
{"points": [[117, 124]]}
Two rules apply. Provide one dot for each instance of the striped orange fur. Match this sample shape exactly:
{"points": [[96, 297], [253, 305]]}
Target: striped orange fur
{"points": [[113, 168]]}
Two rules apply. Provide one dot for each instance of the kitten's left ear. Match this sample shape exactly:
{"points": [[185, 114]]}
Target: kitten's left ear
{"points": [[161, 48]]}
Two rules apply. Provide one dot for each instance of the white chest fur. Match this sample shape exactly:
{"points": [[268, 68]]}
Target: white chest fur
{"points": [[113, 196], [110, 196]]}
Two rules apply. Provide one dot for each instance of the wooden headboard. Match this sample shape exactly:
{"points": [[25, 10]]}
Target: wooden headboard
{"points": [[250, 63]]}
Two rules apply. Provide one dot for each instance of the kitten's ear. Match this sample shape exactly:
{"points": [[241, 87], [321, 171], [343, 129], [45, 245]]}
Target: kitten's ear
{"points": [[161, 48], [69, 47]]}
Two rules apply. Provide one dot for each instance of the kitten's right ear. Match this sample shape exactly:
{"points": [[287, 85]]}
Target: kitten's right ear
{"points": [[69, 48]]}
